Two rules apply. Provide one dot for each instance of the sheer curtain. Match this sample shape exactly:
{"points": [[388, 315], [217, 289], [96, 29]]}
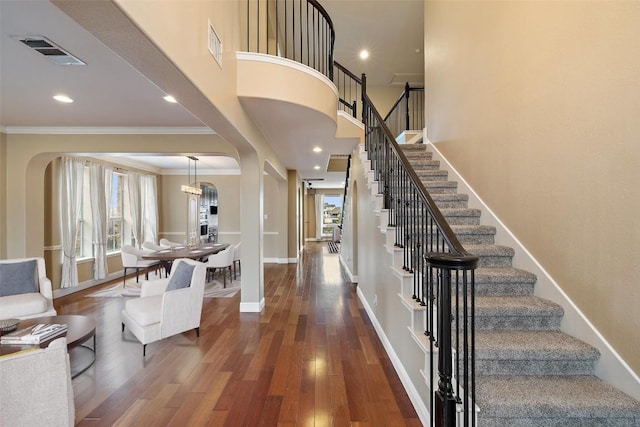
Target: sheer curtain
{"points": [[135, 206], [100, 190], [72, 174], [149, 208]]}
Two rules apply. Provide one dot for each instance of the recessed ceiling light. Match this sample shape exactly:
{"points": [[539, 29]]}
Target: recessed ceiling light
{"points": [[317, 150], [63, 98], [316, 167], [364, 54], [170, 98]]}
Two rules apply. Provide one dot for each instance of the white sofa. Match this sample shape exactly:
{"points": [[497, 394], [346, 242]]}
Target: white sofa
{"points": [[37, 298], [35, 387], [160, 313]]}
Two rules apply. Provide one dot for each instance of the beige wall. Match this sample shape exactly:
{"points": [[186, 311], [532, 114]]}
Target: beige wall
{"points": [[3, 195], [536, 105], [383, 97]]}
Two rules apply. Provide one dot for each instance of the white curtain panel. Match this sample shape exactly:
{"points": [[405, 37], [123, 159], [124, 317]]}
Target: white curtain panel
{"points": [[319, 201], [72, 173], [100, 186], [135, 205], [149, 208]]}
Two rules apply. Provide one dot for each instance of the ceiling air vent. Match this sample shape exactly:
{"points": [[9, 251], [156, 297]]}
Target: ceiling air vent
{"points": [[53, 52]]}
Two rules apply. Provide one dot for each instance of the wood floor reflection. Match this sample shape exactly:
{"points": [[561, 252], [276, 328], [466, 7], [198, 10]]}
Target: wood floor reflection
{"points": [[311, 358]]}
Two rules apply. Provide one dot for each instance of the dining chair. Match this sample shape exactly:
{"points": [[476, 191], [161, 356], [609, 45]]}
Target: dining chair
{"points": [[236, 260], [132, 258], [152, 246], [168, 244], [222, 260]]}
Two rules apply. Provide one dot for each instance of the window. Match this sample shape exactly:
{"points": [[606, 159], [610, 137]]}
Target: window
{"points": [[115, 231]]}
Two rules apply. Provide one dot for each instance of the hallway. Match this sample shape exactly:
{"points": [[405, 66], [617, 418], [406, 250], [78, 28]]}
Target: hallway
{"points": [[311, 358]]}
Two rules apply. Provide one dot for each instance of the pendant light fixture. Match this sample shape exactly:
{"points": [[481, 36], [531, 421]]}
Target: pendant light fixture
{"points": [[188, 188]]}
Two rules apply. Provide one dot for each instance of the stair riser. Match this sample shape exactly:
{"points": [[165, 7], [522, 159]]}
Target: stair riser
{"points": [[504, 289], [427, 176], [465, 239], [530, 323], [451, 219], [534, 367], [555, 422], [495, 261]]}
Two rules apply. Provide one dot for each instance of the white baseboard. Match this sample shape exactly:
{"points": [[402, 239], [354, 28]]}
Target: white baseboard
{"points": [[412, 392], [275, 260], [293, 260], [86, 285], [352, 278], [252, 307], [611, 368]]}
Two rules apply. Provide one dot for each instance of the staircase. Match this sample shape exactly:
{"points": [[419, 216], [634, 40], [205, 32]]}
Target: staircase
{"points": [[528, 372]]}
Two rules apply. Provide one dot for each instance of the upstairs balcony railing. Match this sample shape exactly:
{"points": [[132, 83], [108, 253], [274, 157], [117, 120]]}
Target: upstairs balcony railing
{"points": [[349, 89], [408, 111], [300, 30]]}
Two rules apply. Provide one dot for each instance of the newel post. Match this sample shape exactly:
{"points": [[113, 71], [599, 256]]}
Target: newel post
{"points": [[445, 400]]}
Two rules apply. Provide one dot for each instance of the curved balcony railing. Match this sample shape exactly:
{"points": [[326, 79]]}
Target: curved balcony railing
{"points": [[300, 30]]}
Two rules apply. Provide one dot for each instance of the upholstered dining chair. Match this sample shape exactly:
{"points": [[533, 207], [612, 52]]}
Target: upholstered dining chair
{"points": [[169, 244], [223, 260], [132, 258], [167, 307], [236, 260], [152, 246]]}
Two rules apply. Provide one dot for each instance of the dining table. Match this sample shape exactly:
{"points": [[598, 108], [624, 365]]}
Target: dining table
{"points": [[199, 252]]}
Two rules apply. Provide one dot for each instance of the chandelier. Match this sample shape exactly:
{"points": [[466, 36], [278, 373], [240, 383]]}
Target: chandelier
{"points": [[188, 188]]}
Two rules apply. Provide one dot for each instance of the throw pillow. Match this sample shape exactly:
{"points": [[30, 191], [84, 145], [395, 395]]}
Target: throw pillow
{"points": [[18, 278], [180, 276]]}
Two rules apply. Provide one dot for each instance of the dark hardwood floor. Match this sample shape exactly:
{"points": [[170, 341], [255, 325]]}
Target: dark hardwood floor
{"points": [[311, 358]]}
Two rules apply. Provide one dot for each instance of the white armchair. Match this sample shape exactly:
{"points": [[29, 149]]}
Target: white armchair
{"points": [[132, 258], [36, 388], [223, 260], [162, 311], [25, 290]]}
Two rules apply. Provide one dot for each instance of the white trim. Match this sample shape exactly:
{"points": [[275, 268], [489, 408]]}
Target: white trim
{"points": [[293, 260], [284, 62], [57, 293], [611, 368], [60, 130], [52, 248], [412, 392], [272, 233], [349, 117], [275, 261], [352, 278], [252, 307]]}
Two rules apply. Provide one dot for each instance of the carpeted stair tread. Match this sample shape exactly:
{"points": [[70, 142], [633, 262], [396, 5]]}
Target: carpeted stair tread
{"points": [[524, 306], [450, 200], [532, 345], [504, 275], [432, 175], [425, 164], [548, 397]]}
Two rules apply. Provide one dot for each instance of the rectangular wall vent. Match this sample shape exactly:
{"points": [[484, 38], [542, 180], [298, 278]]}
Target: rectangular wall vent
{"points": [[215, 45], [50, 50]]}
